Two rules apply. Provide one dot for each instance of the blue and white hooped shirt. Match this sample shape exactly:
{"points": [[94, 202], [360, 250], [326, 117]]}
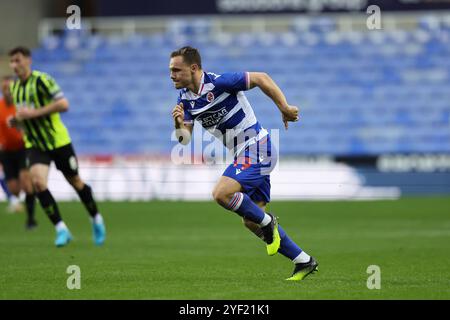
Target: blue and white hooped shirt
{"points": [[221, 105]]}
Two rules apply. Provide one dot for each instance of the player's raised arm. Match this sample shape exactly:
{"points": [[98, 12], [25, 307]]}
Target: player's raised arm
{"points": [[183, 129], [271, 89]]}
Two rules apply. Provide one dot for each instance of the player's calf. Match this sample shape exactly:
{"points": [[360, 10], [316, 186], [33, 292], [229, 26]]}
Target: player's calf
{"points": [[254, 228], [75, 182], [266, 223], [224, 191], [39, 176]]}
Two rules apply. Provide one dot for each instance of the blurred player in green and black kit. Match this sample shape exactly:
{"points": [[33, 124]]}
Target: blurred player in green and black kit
{"points": [[39, 100]]}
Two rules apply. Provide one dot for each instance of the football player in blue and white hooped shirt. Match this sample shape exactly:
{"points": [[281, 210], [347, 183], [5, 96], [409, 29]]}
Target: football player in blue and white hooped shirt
{"points": [[219, 104]]}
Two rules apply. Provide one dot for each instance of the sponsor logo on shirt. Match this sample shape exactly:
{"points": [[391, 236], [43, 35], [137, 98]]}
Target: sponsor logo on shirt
{"points": [[212, 118]]}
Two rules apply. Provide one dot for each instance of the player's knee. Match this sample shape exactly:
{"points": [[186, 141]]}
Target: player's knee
{"points": [[39, 185], [221, 196], [216, 195], [28, 189]]}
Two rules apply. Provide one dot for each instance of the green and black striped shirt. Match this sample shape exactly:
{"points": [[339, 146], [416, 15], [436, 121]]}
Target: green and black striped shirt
{"points": [[47, 132]]}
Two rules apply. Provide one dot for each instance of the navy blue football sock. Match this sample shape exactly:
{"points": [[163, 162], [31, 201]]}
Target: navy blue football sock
{"points": [[245, 207], [288, 248]]}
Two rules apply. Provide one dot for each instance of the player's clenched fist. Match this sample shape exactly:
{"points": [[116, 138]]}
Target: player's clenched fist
{"points": [[290, 114], [178, 114]]}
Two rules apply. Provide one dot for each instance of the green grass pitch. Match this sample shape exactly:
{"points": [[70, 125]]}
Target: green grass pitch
{"points": [[197, 250]]}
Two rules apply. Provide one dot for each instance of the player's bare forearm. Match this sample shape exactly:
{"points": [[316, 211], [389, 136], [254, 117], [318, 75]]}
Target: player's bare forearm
{"points": [[183, 131], [269, 87], [26, 113], [61, 105], [178, 124]]}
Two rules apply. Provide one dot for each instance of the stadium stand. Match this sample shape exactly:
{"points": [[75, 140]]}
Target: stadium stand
{"points": [[360, 92]]}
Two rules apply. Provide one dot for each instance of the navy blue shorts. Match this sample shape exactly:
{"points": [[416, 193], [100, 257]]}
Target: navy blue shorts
{"points": [[252, 169]]}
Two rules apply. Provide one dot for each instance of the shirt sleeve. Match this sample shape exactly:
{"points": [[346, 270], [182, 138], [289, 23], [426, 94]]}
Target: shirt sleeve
{"points": [[233, 82], [48, 86], [188, 119]]}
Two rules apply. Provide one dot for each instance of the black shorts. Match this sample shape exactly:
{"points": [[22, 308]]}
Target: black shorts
{"points": [[13, 162], [64, 157]]}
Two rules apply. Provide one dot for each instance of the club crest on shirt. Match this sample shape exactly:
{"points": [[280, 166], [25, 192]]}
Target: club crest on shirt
{"points": [[210, 97]]}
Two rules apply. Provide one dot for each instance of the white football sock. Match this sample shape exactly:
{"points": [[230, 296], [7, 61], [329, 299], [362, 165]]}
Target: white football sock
{"points": [[61, 226], [267, 219], [14, 200], [98, 219], [303, 257]]}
